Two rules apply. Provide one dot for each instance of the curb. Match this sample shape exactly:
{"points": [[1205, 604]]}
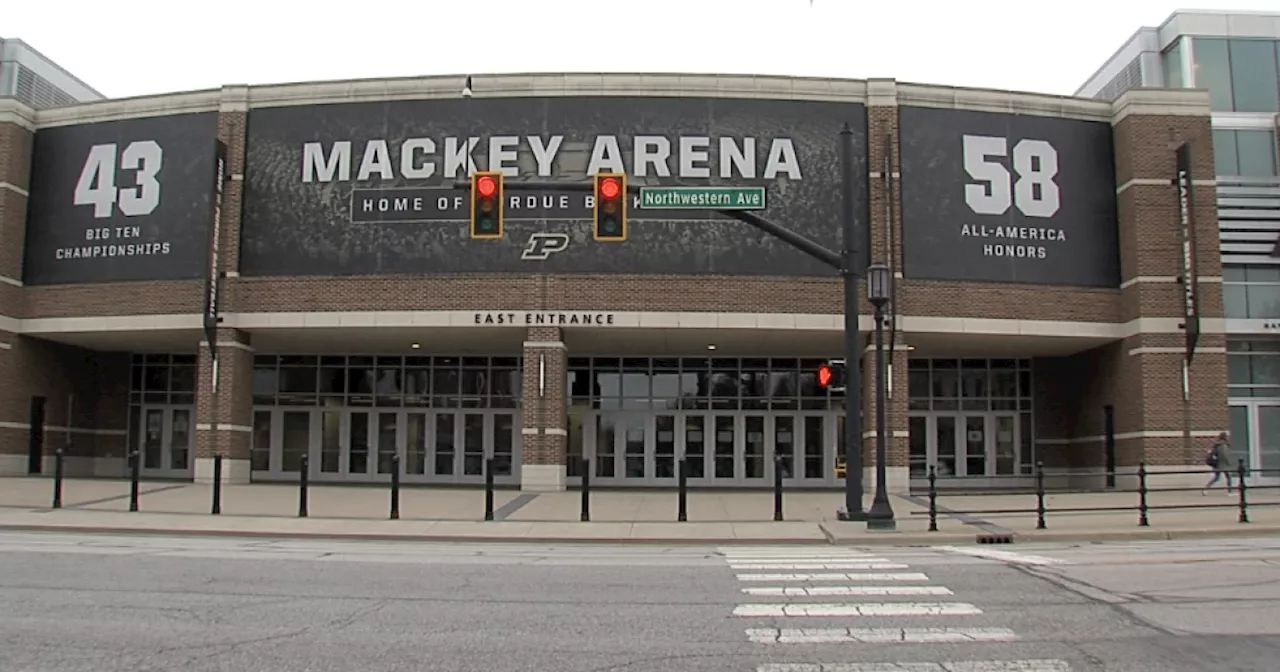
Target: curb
{"points": [[441, 538]]}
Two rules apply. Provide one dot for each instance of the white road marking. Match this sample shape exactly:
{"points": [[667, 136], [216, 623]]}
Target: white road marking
{"points": [[878, 635], [839, 576], [802, 560], [1034, 665], [844, 591], [782, 550], [859, 609], [820, 565], [788, 557], [1005, 556]]}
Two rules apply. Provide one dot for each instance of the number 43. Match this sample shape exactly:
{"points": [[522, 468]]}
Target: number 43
{"points": [[97, 183]]}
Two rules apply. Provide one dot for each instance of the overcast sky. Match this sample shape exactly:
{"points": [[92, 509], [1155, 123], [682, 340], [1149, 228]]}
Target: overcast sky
{"points": [[154, 46]]}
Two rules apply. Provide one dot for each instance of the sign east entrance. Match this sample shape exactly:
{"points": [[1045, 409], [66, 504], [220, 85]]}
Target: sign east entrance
{"points": [[711, 198]]}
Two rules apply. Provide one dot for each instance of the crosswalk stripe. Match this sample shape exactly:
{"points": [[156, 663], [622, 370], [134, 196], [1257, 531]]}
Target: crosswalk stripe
{"points": [[844, 591], [838, 576], [878, 635], [772, 550], [1005, 556], [801, 561], [859, 609], [798, 554], [1034, 665], [820, 565]]}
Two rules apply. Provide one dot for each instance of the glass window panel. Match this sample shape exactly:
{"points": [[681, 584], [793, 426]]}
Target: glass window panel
{"points": [[1213, 71], [1235, 301], [1263, 300], [389, 387], [1233, 272], [137, 377], [1255, 86], [1239, 436], [295, 439], [635, 385], [1225, 161], [1004, 384], [265, 384], [1256, 153], [415, 443], [1265, 369], [360, 383], [444, 386], [973, 380], [157, 360], [182, 379], [504, 387], [1262, 273], [298, 360], [330, 441], [918, 384], [156, 378], [297, 380], [1269, 439], [946, 383], [417, 387], [258, 360], [1172, 62], [333, 381], [260, 455], [580, 382], [475, 387]]}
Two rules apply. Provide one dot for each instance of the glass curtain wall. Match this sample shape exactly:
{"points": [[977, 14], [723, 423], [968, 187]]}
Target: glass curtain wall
{"points": [[350, 414], [162, 409], [970, 417], [1253, 386], [636, 418]]}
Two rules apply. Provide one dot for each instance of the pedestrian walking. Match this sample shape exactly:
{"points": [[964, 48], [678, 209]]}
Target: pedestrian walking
{"points": [[1221, 460]]}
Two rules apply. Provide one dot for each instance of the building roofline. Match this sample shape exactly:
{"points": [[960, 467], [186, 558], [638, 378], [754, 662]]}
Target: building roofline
{"points": [[1123, 45], [52, 63]]}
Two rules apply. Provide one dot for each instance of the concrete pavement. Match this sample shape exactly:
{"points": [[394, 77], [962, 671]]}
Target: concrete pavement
{"points": [[616, 516], [112, 603]]}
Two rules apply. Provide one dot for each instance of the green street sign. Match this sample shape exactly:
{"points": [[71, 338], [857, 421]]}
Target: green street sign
{"points": [[702, 198]]}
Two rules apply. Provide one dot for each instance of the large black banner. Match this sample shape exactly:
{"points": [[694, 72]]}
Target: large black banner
{"points": [[1008, 198], [367, 188], [121, 200]]}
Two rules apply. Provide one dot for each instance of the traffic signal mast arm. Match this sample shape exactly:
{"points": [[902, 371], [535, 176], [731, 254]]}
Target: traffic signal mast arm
{"points": [[809, 247]]}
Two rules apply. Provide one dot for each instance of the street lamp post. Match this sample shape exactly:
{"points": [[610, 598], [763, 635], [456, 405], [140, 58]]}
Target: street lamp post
{"points": [[880, 515]]}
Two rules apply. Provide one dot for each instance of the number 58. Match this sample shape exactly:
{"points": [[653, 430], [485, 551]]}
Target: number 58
{"points": [[1034, 193], [97, 183]]}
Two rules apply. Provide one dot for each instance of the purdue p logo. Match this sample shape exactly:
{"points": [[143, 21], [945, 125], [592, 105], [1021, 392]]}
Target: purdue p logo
{"points": [[543, 245]]}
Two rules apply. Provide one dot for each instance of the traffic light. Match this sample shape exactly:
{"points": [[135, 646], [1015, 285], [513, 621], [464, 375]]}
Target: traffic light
{"points": [[831, 375], [610, 213], [486, 204]]}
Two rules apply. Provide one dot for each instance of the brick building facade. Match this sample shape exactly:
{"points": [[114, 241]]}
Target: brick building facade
{"points": [[74, 345]]}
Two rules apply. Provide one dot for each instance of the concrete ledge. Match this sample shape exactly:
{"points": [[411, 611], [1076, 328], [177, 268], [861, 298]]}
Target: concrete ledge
{"points": [[542, 478]]}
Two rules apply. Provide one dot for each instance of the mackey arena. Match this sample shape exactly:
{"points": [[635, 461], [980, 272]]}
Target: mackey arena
{"points": [[268, 273]]}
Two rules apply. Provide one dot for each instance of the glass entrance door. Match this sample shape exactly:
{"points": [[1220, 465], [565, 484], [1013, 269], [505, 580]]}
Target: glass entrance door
{"points": [[964, 445], [453, 445], [166, 441], [1255, 438]]}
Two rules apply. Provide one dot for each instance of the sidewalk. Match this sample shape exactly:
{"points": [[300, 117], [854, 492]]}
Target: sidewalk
{"points": [[455, 514]]}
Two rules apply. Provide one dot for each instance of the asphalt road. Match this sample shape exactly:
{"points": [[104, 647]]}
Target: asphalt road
{"points": [[108, 603]]}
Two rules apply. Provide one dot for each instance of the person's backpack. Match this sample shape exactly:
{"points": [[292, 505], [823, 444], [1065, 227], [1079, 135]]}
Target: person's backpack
{"points": [[1211, 458]]}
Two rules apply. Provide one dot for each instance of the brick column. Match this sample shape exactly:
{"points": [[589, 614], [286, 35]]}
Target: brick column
{"points": [[543, 431], [882, 123], [17, 129], [224, 423], [1142, 375]]}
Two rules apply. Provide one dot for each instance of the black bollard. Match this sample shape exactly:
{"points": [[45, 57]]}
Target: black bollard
{"points": [[135, 473], [586, 490], [933, 499], [682, 491], [1143, 521], [777, 487], [488, 488], [395, 487], [304, 476], [57, 478], [1244, 500], [217, 485], [1039, 495]]}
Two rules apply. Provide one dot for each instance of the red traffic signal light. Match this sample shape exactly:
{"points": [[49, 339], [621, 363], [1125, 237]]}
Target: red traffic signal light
{"points": [[609, 216], [486, 186], [825, 375], [609, 188], [486, 205]]}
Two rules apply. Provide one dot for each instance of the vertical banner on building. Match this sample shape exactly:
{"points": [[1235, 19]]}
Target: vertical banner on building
{"points": [[1190, 277], [212, 275]]}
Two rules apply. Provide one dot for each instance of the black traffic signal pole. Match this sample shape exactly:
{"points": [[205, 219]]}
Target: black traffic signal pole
{"points": [[844, 262]]}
